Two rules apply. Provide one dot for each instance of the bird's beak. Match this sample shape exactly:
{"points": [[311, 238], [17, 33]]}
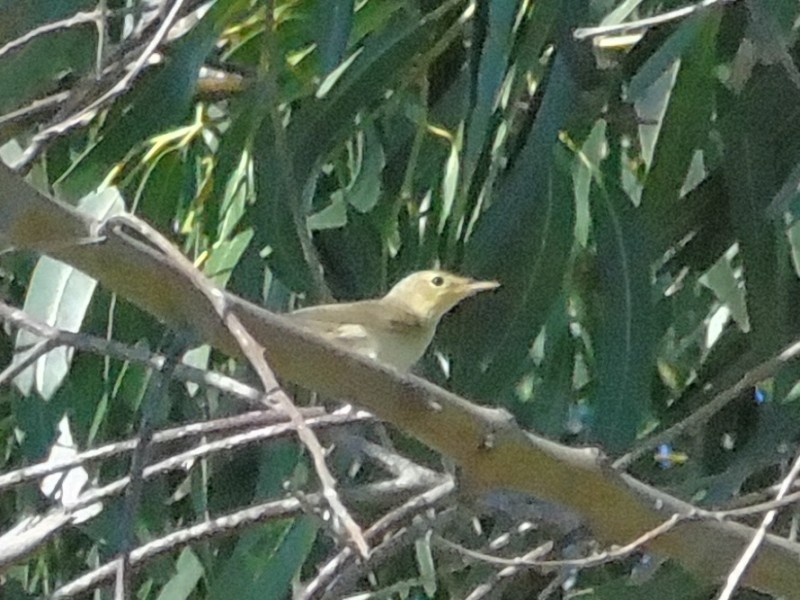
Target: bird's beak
{"points": [[473, 286]]}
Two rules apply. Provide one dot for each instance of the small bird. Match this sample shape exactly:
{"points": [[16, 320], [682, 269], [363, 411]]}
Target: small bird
{"points": [[396, 329]]}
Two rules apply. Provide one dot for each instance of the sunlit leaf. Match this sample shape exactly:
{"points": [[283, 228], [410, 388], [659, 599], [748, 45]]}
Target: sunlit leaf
{"points": [[59, 295]]}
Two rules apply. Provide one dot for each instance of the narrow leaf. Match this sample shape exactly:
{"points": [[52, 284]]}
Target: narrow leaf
{"points": [[59, 295], [523, 241], [622, 328]]}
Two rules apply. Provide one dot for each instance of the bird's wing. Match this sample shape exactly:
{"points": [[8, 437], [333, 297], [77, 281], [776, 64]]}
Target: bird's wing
{"points": [[379, 316], [329, 321], [381, 330]]}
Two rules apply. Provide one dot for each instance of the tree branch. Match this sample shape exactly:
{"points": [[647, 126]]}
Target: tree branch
{"points": [[486, 443]]}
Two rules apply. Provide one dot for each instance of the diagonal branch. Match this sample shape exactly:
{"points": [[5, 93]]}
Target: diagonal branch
{"points": [[487, 445], [737, 573], [642, 24], [254, 353], [87, 113], [219, 527], [254, 420], [29, 535]]}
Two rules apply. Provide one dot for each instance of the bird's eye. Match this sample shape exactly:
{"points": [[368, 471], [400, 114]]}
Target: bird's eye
{"points": [[438, 281]]}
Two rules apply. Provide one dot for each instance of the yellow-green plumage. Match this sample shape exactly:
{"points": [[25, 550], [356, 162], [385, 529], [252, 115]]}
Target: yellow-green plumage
{"points": [[396, 329]]}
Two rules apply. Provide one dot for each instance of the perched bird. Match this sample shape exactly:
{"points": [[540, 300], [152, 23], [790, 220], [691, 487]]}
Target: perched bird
{"points": [[396, 329]]}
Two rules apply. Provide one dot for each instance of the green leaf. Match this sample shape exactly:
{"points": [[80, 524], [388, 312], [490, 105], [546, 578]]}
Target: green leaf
{"points": [[622, 324], [372, 16], [621, 12], [247, 113], [272, 218], [365, 189], [332, 216], [761, 151], [523, 240], [548, 411], [265, 557], [668, 582], [590, 156], [225, 256], [265, 561], [534, 34], [197, 358], [723, 281], [426, 564], [37, 420], [334, 23], [189, 570], [353, 257], [163, 190], [161, 99], [772, 34], [449, 189], [686, 123], [664, 58], [381, 63], [491, 58], [129, 390]]}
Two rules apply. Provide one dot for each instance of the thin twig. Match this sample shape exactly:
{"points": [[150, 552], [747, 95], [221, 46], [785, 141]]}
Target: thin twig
{"points": [[333, 569], [247, 421], [87, 113], [736, 574], [31, 356], [136, 354], [155, 396], [595, 560], [490, 584], [214, 528], [583, 33], [76, 19], [704, 413], [754, 509], [254, 353], [33, 110]]}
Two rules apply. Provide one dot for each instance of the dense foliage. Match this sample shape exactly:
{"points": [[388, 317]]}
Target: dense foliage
{"points": [[635, 191]]}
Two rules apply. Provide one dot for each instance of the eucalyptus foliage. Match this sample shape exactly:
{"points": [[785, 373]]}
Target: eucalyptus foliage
{"points": [[635, 192]]}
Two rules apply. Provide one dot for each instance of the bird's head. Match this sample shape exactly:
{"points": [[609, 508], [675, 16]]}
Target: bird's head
{"points": [[430, 294]]}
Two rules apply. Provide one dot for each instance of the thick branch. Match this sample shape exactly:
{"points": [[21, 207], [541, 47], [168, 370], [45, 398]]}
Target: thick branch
{"points": [[488, 445]]}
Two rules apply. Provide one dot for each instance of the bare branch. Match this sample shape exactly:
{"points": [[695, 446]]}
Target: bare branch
{"points": [[178, 461], [254, 353], [330, 574], [135, 354], [87, 113], [77, 19], [583, 33], [31, 356], [749, 553], [751, 378], [249, 420], [214, 528]]}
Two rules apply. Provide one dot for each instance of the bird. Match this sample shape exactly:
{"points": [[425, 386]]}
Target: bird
{"points": [[396, 329]]}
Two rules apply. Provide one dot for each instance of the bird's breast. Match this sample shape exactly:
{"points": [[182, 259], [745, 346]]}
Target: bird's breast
{"points": [[402, 350]]}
